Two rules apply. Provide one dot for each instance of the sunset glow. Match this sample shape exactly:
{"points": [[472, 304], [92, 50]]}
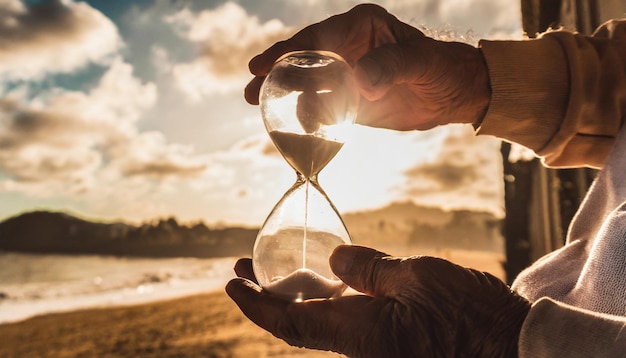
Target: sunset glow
{"points": [[135, 110]]}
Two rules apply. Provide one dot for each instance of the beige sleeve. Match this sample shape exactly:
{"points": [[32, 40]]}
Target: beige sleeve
{"points": [[562, 95], [554, 329]]}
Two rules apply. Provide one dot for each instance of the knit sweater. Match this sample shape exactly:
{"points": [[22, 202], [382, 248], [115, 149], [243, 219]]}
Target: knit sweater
{"points": [[563, 95]]}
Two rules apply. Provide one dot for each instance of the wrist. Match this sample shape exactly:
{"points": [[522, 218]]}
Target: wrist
{"points": [[507, 325], [494, 321], [483, 88], [530, 90], [477, 89]]}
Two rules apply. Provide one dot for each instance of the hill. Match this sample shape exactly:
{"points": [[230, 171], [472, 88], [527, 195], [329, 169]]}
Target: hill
{"points": [[405, 228], [53, 232], [399, 228]]}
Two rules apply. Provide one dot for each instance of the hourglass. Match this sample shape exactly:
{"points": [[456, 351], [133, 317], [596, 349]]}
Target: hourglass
{"points": [[308, 102]]}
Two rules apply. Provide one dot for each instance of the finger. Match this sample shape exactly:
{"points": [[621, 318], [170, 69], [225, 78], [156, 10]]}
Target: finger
{"points": [[373, 73], [260, 65], [243, 269], [325, 35], [395, 63], [332, 324], [370, 271], [338, 33], [251, 93], [394, 111], [320, 324], [259, 306], [381, 68]]}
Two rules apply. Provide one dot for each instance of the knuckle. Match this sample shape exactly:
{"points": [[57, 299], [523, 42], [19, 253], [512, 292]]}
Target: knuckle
{"points": [[369, 10]]}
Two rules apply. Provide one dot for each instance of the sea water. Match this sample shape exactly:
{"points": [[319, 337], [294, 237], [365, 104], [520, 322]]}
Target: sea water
{"points": [[37, 284]]}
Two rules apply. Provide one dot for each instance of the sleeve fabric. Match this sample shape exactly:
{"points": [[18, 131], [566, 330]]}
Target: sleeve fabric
{"points": [[562, 95], [571, 332]]}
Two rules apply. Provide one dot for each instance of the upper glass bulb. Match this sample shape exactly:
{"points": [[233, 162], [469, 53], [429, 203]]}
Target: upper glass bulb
{"points": [[308, 101]]}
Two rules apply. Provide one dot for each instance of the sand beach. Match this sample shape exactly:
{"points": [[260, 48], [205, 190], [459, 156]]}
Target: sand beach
{"points": [[197, 325], [203, 325]]}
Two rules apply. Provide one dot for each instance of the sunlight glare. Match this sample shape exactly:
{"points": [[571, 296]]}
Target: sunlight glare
{"points": [[282, 110]]}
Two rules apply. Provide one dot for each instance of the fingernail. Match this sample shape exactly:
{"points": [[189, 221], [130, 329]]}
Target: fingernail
{"points": [[342, 259]]}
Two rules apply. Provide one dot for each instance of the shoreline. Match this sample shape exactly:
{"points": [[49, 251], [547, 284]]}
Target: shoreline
{"points": [[200, 325], [37, 285], [23, 310]]}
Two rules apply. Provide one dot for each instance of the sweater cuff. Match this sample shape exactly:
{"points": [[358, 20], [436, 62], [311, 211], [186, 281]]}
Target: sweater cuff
{"points": [[529, 82], [554, 329]]}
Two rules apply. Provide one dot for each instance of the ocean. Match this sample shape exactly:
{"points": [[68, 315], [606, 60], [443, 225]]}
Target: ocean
{"points": [[32, 285]]}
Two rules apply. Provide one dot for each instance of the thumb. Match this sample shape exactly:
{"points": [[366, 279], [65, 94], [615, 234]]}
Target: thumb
{"points": [[379, 69], [369, 271]]}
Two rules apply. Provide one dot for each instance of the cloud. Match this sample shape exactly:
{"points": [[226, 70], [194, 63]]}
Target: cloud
{"points": [[446, 167], [85, 149], [164, 167], [465, 172], [40, 38], [227, 38], [485, 18], [85, 140], [455, 165], [44, 145], [149, 154], [446, 175], [495, 19]]}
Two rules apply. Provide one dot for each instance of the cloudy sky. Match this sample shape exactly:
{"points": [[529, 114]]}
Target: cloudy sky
{"points": [[134, 110]]}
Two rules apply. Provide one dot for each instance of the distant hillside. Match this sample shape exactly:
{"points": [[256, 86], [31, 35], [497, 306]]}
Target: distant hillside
{"points": [[406, 228], [54, 232], [399, 228]]}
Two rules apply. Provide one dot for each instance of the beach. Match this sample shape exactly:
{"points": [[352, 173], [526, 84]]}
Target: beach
{"points": [[127, 312], [203, 325], [104, 306]]}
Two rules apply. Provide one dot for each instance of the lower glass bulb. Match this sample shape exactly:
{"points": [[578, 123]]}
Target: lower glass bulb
{"points": [[291, 252]]}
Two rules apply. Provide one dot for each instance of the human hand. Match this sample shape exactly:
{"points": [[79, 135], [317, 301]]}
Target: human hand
{"points": [[408, 81], [412, 307]]}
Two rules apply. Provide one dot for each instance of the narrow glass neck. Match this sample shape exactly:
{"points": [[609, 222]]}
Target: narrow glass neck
{"points": [[302, 179]]}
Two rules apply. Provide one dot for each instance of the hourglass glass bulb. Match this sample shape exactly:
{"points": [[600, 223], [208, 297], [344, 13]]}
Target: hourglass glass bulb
{"points": [[308, 102], [291, 252]]}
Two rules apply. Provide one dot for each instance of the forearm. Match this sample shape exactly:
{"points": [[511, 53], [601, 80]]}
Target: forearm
{"points": [[554, 329], [562, 95]]}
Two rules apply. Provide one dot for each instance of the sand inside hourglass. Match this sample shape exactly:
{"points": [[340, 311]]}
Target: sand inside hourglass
{"points": [[308, 154], [305, 284], [287, 275]]}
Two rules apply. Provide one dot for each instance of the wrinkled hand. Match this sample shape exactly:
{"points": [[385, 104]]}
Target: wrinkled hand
{"points": [[409, 81], [412, 307]]}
